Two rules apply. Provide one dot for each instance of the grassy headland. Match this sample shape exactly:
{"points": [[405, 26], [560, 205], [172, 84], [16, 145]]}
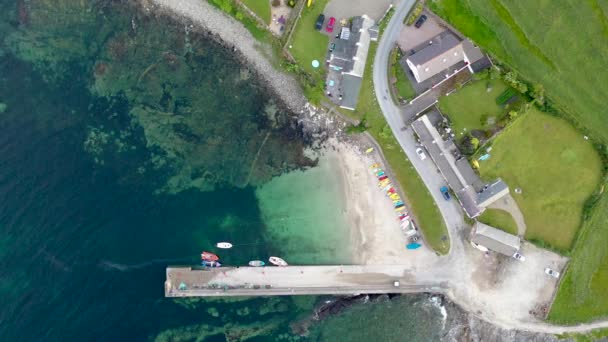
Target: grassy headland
{"points": [[557, 170], [561, 49]]}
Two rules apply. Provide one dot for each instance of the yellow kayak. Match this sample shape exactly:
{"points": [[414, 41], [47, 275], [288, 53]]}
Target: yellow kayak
{"points": [[375, 165], [395, 197], [369, 150], [309, 3]]}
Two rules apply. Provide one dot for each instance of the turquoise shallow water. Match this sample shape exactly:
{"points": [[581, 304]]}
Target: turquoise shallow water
{"points": [[126, 145]]}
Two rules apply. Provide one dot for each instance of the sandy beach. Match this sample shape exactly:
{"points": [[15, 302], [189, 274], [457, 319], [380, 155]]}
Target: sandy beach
{"points": [[376, 236]]}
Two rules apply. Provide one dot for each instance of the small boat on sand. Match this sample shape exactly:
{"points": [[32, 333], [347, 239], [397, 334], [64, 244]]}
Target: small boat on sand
{"points": [[256, 263], [208, 256], [224, 245], [207, 263], [277, 261]]}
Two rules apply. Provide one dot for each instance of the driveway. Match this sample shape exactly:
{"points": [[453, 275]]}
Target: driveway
{"points": [[411, 37], [344, 9]]}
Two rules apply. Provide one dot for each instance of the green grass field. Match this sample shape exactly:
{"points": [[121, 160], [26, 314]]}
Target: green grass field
{"points": [[308, 44], [467, 106], [582, 293], [499, 219], [259, 7], [562, 46], [557, 170], [416, 194]]}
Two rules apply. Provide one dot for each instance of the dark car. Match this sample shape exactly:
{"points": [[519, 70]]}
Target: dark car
{"points": [[420, 21], [445, 192], [319, 23]]}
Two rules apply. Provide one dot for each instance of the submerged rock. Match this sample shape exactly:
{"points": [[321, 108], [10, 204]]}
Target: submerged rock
{"points": [[3, 107]]}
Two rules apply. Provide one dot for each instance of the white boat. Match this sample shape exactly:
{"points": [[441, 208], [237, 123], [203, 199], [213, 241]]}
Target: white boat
{"points": [[277, 261], [224, 245], [256, 263]]}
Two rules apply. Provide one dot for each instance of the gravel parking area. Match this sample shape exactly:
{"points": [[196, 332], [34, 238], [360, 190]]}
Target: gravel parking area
{"points": [[344, 9]]}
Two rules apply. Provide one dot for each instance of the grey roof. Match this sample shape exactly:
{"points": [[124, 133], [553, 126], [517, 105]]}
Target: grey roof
{"points": [[350, 91], [468, 173], [495, 239], [444, 51], [492, 193], [472, 52], [341, 58], [467, 197]]}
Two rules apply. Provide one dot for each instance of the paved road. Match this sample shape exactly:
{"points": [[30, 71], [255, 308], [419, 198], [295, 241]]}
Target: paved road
{"points": [[451, 213]]}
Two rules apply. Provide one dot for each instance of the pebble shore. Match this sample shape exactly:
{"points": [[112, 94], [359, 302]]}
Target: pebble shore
{"points": [[202, 15]]}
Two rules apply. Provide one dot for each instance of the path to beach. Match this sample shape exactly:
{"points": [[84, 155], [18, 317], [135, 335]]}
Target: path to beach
{"points": [[501, 292]]}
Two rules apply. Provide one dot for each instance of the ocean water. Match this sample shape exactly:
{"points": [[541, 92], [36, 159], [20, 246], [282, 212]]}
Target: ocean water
{"points": [[128, 143]]}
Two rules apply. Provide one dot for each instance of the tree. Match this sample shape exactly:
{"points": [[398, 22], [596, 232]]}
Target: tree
{"points": [[538, 93]]}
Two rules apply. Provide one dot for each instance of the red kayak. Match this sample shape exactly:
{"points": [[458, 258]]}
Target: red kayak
{"points": [[382, 178], [209, 256]]}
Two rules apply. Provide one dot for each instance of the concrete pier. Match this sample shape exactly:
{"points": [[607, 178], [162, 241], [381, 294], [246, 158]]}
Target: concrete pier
{"points": [[186, 281]]}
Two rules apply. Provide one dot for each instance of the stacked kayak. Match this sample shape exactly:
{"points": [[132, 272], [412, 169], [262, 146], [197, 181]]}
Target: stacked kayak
{"points": [[384, 183]]}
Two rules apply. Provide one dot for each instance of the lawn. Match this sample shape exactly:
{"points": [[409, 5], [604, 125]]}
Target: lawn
{"points": [[308, 44], [582, 293], [557, 170], [401, 82], [259, 7], [470, 107], [499, 219], [417, 195], [563, 47]]}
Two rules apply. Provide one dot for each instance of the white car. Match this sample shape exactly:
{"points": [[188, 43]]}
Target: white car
{"points": [[552, 273], [519, 257], [420, 153]]}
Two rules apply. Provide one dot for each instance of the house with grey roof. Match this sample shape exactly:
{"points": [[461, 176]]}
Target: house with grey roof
{"points": [[442, 52], [349, 56], [492, 192], [495, 239]]}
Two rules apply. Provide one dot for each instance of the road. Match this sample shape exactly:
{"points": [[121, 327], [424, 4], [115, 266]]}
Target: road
{"points": [[451, 213]]}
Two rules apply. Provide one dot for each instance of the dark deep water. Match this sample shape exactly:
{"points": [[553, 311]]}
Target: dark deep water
{"points": [[126, 144]]}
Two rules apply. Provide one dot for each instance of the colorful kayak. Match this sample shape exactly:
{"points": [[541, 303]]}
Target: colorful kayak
{"points": [[398, 204], [369, 150], [277, 261], [209, 256], [224, 245], [382, 178], [207, 263], [381, 173], [413, 245], [257, 263], [391, 190], [374, 166]]}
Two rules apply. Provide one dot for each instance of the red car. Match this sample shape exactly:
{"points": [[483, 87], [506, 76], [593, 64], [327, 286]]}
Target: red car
{"points": [[330, 25]]}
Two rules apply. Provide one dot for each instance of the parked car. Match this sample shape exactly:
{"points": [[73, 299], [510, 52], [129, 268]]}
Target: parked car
{"points": [[319, 23], [330, 25], [552, 273], [519, 257], [420, 21], [420, 153], [445, 192], [332, 46]]}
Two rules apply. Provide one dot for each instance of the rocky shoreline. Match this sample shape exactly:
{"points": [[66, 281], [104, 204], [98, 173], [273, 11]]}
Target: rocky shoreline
{"points": [[201, 16]]}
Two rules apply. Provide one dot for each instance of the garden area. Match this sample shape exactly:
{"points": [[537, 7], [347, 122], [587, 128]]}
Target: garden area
{"points": [[556, 170], [308, 44], [259, 7], [499, 219], [402, 87], [475, 107]]}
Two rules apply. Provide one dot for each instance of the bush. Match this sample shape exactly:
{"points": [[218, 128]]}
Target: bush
{"points": [[292, 3], [469, 144], [415, 13]]}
